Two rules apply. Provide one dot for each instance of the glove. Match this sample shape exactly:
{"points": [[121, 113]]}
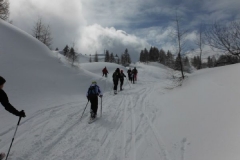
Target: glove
{"points": [[22, 114], [100, 96]]}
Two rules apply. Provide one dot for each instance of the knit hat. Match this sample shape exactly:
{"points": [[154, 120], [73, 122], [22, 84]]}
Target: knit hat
{"points": [[94, 82], [2, 80]]}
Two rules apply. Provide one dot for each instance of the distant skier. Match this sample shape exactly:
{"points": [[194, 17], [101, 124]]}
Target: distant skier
{"points": [[132, 77], [122, 75], [116, 77], [135, 72], [105, 72], [5, 102], [92, 95], [129, 74]]}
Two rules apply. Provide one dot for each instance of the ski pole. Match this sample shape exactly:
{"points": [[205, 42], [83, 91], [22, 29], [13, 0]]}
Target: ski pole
{"points": [[84, 111], [13, 137], [101, 106]]}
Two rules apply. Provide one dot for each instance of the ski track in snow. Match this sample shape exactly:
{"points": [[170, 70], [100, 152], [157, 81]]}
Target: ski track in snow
{"points": [[126, 126]]}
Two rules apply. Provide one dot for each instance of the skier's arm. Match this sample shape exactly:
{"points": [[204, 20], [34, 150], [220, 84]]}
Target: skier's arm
{"points": [[99, 91], [7, 105]]}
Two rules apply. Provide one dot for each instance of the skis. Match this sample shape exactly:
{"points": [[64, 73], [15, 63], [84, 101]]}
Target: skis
{"points": [[2, 155]]}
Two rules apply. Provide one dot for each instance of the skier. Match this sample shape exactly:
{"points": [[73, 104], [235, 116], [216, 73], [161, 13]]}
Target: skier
{"points": [[5, 102], [92, 95], [135, 72], [129, 74], [116, 77], [132, 77], [122, 75], [105, 71]]}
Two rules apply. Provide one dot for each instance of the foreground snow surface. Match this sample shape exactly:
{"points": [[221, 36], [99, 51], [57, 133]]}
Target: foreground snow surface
{"points": [[150, 120]]}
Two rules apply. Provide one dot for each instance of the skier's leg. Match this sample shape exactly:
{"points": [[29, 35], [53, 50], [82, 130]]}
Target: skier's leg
{"points": [[121, 83], [95, 106], [91, 99]]}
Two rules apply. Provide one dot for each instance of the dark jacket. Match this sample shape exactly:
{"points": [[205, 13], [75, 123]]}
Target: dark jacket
{"points": [[116, 76], [105, 71], [129, 72], [134, 71], [122, 75], [5, 102]]}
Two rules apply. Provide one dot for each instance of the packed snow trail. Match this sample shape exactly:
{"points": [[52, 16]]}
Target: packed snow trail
{"points": [[123, 131]]}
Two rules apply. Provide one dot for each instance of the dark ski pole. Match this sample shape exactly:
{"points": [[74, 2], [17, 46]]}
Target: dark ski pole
{"points": [[13, 137], [101, 106], [84, 110]]}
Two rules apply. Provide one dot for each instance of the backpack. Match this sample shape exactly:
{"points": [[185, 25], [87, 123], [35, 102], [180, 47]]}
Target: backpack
{"points": [[93, 90], [115, 76]]}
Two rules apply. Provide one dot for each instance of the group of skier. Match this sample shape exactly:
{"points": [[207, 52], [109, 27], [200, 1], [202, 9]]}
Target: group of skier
{"points": [[94, 90], [92, 95], [119, 76], [132, 74]]}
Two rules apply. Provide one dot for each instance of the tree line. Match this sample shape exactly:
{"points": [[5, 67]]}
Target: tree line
{"points": [[124, 60]]}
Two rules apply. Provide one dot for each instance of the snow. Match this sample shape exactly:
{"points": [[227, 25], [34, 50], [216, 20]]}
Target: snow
{"points": [[152, 119]]}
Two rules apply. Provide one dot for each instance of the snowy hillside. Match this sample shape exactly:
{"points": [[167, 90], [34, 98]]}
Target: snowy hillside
{"points": [[146, 121]]}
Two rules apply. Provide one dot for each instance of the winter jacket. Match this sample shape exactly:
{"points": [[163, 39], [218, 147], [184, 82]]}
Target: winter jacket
{"points": [[116, 76], [134, 71], [105, 71], [94, 90], [5, 102], [122, 75], [129, 72]]}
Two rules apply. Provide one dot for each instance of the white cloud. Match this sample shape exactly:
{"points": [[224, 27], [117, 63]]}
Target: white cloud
{"points": [[95, 38]]}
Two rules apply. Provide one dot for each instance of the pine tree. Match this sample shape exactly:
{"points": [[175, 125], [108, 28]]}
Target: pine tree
{"points": [[145, 55], [66, 50], [72, 55], [112, 59], [177, 65], [96, 57], [107, 56], [162, 56], [170, 60], [141, 56]]}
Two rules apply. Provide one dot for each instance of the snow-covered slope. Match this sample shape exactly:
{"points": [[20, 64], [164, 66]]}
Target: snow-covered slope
{"points": [[35, 79], [148, 120]]}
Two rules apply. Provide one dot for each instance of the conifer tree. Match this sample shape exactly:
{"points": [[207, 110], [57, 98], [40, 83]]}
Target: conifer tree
{"points": [[107, 56], [96, 57], [162, 56], [112, 59], [72, 55], [169, 60], [66, 50]]}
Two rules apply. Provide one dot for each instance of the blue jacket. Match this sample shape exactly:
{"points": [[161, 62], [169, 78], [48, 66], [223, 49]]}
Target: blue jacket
{"points": [[97, 90]]}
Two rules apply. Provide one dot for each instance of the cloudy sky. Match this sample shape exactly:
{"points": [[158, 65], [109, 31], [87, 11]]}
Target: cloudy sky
{"points": [[96, 25]]}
